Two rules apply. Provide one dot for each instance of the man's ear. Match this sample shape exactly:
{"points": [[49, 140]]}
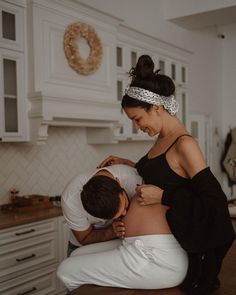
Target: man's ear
{"points": [[117, 179]]}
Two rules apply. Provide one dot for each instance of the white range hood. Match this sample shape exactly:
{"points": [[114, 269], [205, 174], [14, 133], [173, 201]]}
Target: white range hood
{"points": [[58, 95], [101, 119]]}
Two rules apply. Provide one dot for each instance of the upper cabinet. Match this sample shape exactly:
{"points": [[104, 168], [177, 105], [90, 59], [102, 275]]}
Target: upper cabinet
{"points": [[179, 73], [13, 104], [41, 87], [12, 25]]}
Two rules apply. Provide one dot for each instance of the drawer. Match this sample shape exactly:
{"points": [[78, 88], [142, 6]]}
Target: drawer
{"points": [[27, 255], [18, 233], [40, 282]]}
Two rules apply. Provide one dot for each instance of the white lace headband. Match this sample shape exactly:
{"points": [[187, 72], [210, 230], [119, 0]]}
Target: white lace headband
{"points": [[168, 102]]}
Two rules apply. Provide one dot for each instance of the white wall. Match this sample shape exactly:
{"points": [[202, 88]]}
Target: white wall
{"points": [[179, 8], [205, 93], [228, 101]]}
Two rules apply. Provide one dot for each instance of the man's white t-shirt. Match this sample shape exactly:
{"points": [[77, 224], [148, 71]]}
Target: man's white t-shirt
{"points": [[74, 213]]}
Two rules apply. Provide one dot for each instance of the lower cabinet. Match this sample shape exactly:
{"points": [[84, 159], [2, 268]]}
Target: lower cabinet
{"points": [[29, 257], [42, 281]]}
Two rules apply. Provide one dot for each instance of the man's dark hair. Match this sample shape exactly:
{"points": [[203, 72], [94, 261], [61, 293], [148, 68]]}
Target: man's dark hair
{"points": [[100, 196]]}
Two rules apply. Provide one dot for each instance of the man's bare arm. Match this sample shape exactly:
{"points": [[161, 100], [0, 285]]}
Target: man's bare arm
{"points": [[92, 235]]}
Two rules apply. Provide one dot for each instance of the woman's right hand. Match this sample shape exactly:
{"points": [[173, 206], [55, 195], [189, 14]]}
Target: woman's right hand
{"points": [[149, 194], [112, 160]]}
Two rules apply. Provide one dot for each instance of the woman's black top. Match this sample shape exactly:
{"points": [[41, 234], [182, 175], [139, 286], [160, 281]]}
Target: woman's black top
{"points": [[198, 217], [157, 171]]}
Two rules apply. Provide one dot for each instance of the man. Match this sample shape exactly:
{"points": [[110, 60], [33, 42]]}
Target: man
{"points": [[85, 228], [147, 249]]}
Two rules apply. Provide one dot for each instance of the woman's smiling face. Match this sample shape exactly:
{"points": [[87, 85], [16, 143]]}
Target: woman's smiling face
{"points": [[148, 121]]}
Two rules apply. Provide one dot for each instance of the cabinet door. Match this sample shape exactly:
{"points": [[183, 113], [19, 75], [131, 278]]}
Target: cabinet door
{"points": [[12, 96], [27, 255], [127, 57], [182, 98], [11, 26], [18, 233], [39, 282], [178, 72], [63, 237], [201, 130]]}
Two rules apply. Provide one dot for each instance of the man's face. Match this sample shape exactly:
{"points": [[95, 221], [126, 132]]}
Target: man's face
{"points": [[124, 204]]}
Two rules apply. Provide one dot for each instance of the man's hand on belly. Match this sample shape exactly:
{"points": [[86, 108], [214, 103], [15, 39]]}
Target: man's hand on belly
{"points": [[119, 227]]}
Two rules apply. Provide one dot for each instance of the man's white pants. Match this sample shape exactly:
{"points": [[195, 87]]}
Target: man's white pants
{"points": [[143, 262]]}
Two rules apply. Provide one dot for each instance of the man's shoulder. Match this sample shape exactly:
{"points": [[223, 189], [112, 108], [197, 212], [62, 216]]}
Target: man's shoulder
{"points": [[75, 185]]}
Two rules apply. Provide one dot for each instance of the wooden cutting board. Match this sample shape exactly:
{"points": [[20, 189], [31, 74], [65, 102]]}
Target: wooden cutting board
{"points": [[28, 203]]}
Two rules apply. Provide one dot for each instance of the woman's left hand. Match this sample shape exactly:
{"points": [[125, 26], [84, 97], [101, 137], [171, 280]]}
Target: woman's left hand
{"points": [[149, 194]]}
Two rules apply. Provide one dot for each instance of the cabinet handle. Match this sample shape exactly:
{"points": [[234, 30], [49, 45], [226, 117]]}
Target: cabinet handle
{"points": [[27, 292], [25, 232], [25, 258]]}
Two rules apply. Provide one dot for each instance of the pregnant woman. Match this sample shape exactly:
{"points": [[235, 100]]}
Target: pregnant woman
{"points": [[176, 174]]}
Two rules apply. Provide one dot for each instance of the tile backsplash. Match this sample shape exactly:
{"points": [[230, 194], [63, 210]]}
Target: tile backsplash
{"points": [[46, 169]]}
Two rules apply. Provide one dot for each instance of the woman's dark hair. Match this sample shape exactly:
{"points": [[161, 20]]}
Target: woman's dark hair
{"points": [[144, 76], [100, 197]]}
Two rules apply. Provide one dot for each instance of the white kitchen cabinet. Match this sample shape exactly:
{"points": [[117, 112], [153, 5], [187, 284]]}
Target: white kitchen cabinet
{"points": [[179, 71], [201, 130], [38, 88], [63, 238], [13, 110], [40, 282], [30, 255], [182, 98], [12, 24], [64, 233], [13, 104], [127, 130], [126, 58]]}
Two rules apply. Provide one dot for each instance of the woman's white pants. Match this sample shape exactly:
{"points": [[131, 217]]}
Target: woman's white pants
{"points": [[143, 262]]}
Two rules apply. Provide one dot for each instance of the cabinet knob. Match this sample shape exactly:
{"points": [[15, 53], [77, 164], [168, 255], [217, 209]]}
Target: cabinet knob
{"points": [[25, 258], [25, 232]]}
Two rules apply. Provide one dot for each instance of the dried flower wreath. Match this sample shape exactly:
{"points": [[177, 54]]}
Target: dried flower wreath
{"points": [[72, 34]]}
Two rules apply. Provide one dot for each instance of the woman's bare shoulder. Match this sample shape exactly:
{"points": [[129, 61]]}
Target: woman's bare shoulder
{"points": [[187, 144], [190, 156]]}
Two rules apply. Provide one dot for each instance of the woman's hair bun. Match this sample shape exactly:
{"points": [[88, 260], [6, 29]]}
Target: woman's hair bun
{"points": [[144, 76], [144, 68]]}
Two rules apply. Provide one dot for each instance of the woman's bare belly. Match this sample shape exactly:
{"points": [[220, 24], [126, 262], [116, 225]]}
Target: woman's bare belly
{"points": [[145, 220]]}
